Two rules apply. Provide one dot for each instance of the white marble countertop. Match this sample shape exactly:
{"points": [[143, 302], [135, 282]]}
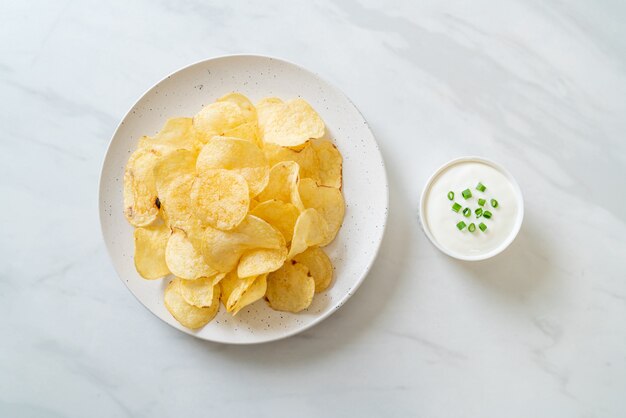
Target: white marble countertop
{"points": [[539, 331]]}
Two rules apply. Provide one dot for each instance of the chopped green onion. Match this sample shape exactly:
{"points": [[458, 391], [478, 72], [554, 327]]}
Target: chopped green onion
{"points": [[494, 203], [467, 212], [487, 214], [450, 195], [461, 225], [481, 187], [482, 227], [479, 212], [466, 194], [481, 202], [471, 227], [456, 207]]}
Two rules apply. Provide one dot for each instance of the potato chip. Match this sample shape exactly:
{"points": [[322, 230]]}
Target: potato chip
{"points": [[188, 315], [306, 159], [279, 214], [150, 243], [220, 198], [319, 265], [289, 124], [248, 131], [241, 291], [175, 202], [266, 102], [283, 184], [255, 291], [200, 292], [141, 205], [238, 155], [174, 175], [223, 249], [310, 230], [291, 288], [229, 284], [183, 260], [262, 261], [328, 201], [171, 167], [243, 103], [253, 204], [218, 118], [330, 163], [177, 133]]}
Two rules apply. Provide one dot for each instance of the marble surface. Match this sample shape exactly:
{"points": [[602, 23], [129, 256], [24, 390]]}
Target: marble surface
{"points": [[540, 330]]}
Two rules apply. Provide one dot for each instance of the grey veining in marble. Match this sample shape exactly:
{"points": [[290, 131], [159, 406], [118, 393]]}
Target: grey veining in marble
{"points": [[539, 86]]}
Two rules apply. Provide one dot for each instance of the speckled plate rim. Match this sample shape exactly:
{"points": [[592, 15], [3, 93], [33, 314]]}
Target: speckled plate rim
{"points": [[378, 240], [518, 222]]}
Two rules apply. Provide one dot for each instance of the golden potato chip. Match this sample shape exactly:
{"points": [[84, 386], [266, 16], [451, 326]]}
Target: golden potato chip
{"points": [[319, 265], [255, 291], [243, 103], [289, 124], [253, 204], [268, 101], [306, 159], [141, 205], [328, 201], [238, 155], [330, 163], [229, 284], [310, 230], [177, 133], [200, 292], [233, 289], [218, 118], [248, 131], [175, 202], [183, 260], [283, 184], [188, 315], [150, 243], [262, 261], [220, 198], [291, 288], [223, 249], [279, 214], [171, 167]]}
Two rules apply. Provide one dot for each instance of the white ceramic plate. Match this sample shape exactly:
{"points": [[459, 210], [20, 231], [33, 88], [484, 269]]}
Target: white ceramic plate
{"points": [[183, 93]]}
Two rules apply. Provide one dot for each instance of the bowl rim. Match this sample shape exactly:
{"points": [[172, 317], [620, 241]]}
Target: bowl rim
{"points": [[368, 266], [518, 222]]}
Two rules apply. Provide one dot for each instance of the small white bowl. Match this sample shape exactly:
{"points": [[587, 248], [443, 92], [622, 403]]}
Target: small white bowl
{"points": [[514, 231]]}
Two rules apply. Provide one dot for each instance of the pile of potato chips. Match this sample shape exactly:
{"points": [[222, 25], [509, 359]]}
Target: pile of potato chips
{"points": [[236, 204]]}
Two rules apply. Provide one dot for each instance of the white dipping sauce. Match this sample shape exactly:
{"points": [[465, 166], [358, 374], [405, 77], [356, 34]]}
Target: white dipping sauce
{"points": [[441, 220]]}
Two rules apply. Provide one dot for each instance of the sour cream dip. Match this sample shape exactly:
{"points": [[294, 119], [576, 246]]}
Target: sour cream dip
{"points": [[471, 208]]}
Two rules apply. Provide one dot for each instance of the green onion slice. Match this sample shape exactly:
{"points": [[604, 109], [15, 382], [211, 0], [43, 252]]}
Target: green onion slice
{"points": [[467, 193], [471, 227], [467, 212], [482, 227], [481, 202], [450, 195], [494, 203], [479, 212], [487, 214], [481, 187], [461, 225], [456, 207]]}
